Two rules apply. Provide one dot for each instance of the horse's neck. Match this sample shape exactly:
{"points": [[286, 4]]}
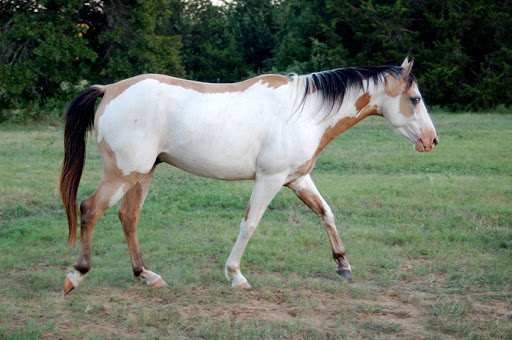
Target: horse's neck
{"points": [[356, 106]]}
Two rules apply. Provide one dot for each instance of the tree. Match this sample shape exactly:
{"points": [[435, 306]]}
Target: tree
{"points": [[466, 54], [306, 41], [134, 41], [254, 25], [462, 47], [210, 49], [42, 45]]}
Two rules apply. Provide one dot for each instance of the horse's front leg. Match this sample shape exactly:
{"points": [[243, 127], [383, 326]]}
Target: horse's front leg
{"points": [[265, 188], [306, 190]]}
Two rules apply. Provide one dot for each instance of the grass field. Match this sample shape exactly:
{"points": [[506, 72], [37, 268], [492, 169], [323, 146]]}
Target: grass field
{"points": [[429, 237]]}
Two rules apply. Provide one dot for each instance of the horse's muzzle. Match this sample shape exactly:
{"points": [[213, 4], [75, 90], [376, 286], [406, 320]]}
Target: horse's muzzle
{"points": [[427, 144]]}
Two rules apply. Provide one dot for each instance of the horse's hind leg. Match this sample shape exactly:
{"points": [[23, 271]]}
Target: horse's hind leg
{"points": [[129, 213], [109, 192], [306, 190]]}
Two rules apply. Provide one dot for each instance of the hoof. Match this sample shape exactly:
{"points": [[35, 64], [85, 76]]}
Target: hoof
{"points": [[244, 286], [72, 281], [345, 273], [158, 283], [152, 279], [68, 286]]}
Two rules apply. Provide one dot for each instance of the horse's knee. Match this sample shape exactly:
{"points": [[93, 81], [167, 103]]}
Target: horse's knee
{"points": [[247, 228]]}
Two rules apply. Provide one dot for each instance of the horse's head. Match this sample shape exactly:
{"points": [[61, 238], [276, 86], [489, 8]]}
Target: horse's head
{"points": [[403, 107]]}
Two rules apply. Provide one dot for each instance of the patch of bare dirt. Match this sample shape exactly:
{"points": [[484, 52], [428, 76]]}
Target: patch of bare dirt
{"points": [[325, 311], [412, 264], [401, 310], [390, 310]]}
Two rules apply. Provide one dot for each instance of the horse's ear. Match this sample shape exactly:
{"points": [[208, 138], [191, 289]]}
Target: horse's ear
{"points": [[407, 67]]}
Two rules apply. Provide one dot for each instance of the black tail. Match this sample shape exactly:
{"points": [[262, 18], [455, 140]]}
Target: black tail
{"points": [[79, 119]]}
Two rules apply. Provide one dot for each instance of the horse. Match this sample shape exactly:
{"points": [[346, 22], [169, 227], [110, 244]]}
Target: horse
{"points": [[269, 129]]}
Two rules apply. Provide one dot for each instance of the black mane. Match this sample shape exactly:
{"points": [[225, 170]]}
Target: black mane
{"points": [[334, 84]]}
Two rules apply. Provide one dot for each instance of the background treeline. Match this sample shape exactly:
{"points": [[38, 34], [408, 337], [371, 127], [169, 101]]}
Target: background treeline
{"points": [[50, 50]]}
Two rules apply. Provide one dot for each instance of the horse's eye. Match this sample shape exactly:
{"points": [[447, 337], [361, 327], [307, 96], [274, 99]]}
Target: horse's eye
{"points": [[415, 101]]}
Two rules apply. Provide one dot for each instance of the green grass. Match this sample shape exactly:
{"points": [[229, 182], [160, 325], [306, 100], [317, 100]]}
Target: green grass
{"points": [[429, 237]]}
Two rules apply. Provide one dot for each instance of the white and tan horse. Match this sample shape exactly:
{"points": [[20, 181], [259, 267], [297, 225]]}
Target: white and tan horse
{"points": [[269, 129]]}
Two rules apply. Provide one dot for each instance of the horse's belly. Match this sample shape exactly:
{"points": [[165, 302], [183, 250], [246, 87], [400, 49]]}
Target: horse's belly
{"points": [[211, 163]]}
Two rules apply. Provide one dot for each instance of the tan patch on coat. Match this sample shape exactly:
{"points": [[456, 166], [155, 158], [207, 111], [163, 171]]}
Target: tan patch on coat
{"points": [[363, 101], [108, 158], [332, 132], [271, 81], [247, 212], [313, 201], [406, 107], [110, 168], [307, 167], [112, 91], [393, 86], [338, 250], [274, 81]]}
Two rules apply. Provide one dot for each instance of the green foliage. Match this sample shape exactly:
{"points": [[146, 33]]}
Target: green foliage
{"points": [[254, 26], [41, 49], [210, 49], [134, 44], [465, 53], [462, 47], [306, 41]]}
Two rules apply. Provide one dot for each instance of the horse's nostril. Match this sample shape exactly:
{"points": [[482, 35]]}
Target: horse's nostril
{"points": [[435, 141]]}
